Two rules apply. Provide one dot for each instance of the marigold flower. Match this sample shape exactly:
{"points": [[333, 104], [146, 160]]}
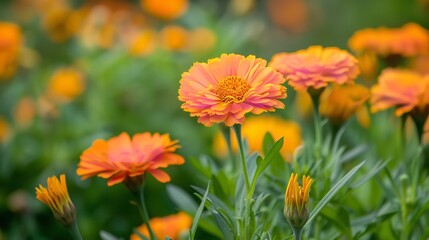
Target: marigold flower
{"points": [[340, 102], [225, 89], [172, 226], [56, 197], [121, 157], [167, 9], [316, 66], [404, 89], [408, 41], [254, 130], [66, 84], [297, 200], [10, 45]]}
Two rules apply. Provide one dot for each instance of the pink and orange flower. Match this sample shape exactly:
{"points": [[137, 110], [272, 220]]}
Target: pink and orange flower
{"points": [[404, 89], [410, 40], [316, 67], [121, 157], [225, 89]]}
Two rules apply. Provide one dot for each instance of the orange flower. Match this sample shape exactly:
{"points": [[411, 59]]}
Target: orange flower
{"points": [[4, 130], [10, 45], [66, 84], [292, 15], [166, 9], [404, 89], [316, 66], [172, 226], [121, 157], [56, 22], [368, 65], [174, 37], [254, 130], [25, 111], [340, 102], [225, 89], [56, 197], [409, 40], [297, 200]]}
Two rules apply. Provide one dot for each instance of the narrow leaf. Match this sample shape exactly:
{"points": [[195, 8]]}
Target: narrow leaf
{"points": [[333, 191], [198, 213]]}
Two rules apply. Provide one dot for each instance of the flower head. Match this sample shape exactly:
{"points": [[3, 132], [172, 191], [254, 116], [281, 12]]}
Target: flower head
{"points": [[66, 84], [340, 102], [404, 89], [225, 89], [10, 45], [408, 41], [172, 226], [316, 66], [122, 158], [174, 37], [297, 200], [56, 197], [254, 130], [166, 9]]}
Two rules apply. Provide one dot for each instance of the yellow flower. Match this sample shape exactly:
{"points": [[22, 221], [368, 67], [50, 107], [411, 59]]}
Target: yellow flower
{"points": [[56, 197], [202, 40], [166, 9], [56, 22], [368, 65], [340, 102], [10, 45], [297, 200], [254, 130], [172, 226], [143, 43], [66, 84]]}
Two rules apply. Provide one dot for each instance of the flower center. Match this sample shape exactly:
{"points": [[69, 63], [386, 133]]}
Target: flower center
{"points": [[232, 89]]}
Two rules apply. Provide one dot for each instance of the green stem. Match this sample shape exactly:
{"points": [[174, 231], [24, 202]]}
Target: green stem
{"points": [[74, 230], [226, 132], [297, 233], [317, 127], [237, 130], [144, 214]]}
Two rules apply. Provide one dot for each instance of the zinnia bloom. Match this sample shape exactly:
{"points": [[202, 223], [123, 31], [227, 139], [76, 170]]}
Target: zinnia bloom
{"points": [[297, 200], [122, 157], [254, 130], [340, 102], [404, 89], [225, 89], [316, 66], [56, 197], [166, 9], [410, 40], [10, 45], [66, 84], [172, 226]]}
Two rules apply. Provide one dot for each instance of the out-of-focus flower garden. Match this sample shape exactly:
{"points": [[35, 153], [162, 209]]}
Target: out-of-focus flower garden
{"points": [[239, 119]]}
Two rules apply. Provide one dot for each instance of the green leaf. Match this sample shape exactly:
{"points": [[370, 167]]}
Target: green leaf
{"points": [[104, 235], [340, 219], [223, 225], [182, 199], [375, 170], [198, 213], [333, 191]]}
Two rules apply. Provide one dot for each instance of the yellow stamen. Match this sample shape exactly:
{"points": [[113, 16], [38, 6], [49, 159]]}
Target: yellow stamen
{"points": [[232, 89]]}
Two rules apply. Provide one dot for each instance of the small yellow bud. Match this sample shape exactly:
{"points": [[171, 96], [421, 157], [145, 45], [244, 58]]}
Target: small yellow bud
{"points": [[297, 198]]}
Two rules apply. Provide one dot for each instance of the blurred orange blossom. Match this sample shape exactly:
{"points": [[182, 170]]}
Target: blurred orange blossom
{"points": [[404, 89], [66, 84], [10, 45], [166, 9], [341, 101], [172, 226], [225, 89], [121, 157], [316, 67], [254, 130]]}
